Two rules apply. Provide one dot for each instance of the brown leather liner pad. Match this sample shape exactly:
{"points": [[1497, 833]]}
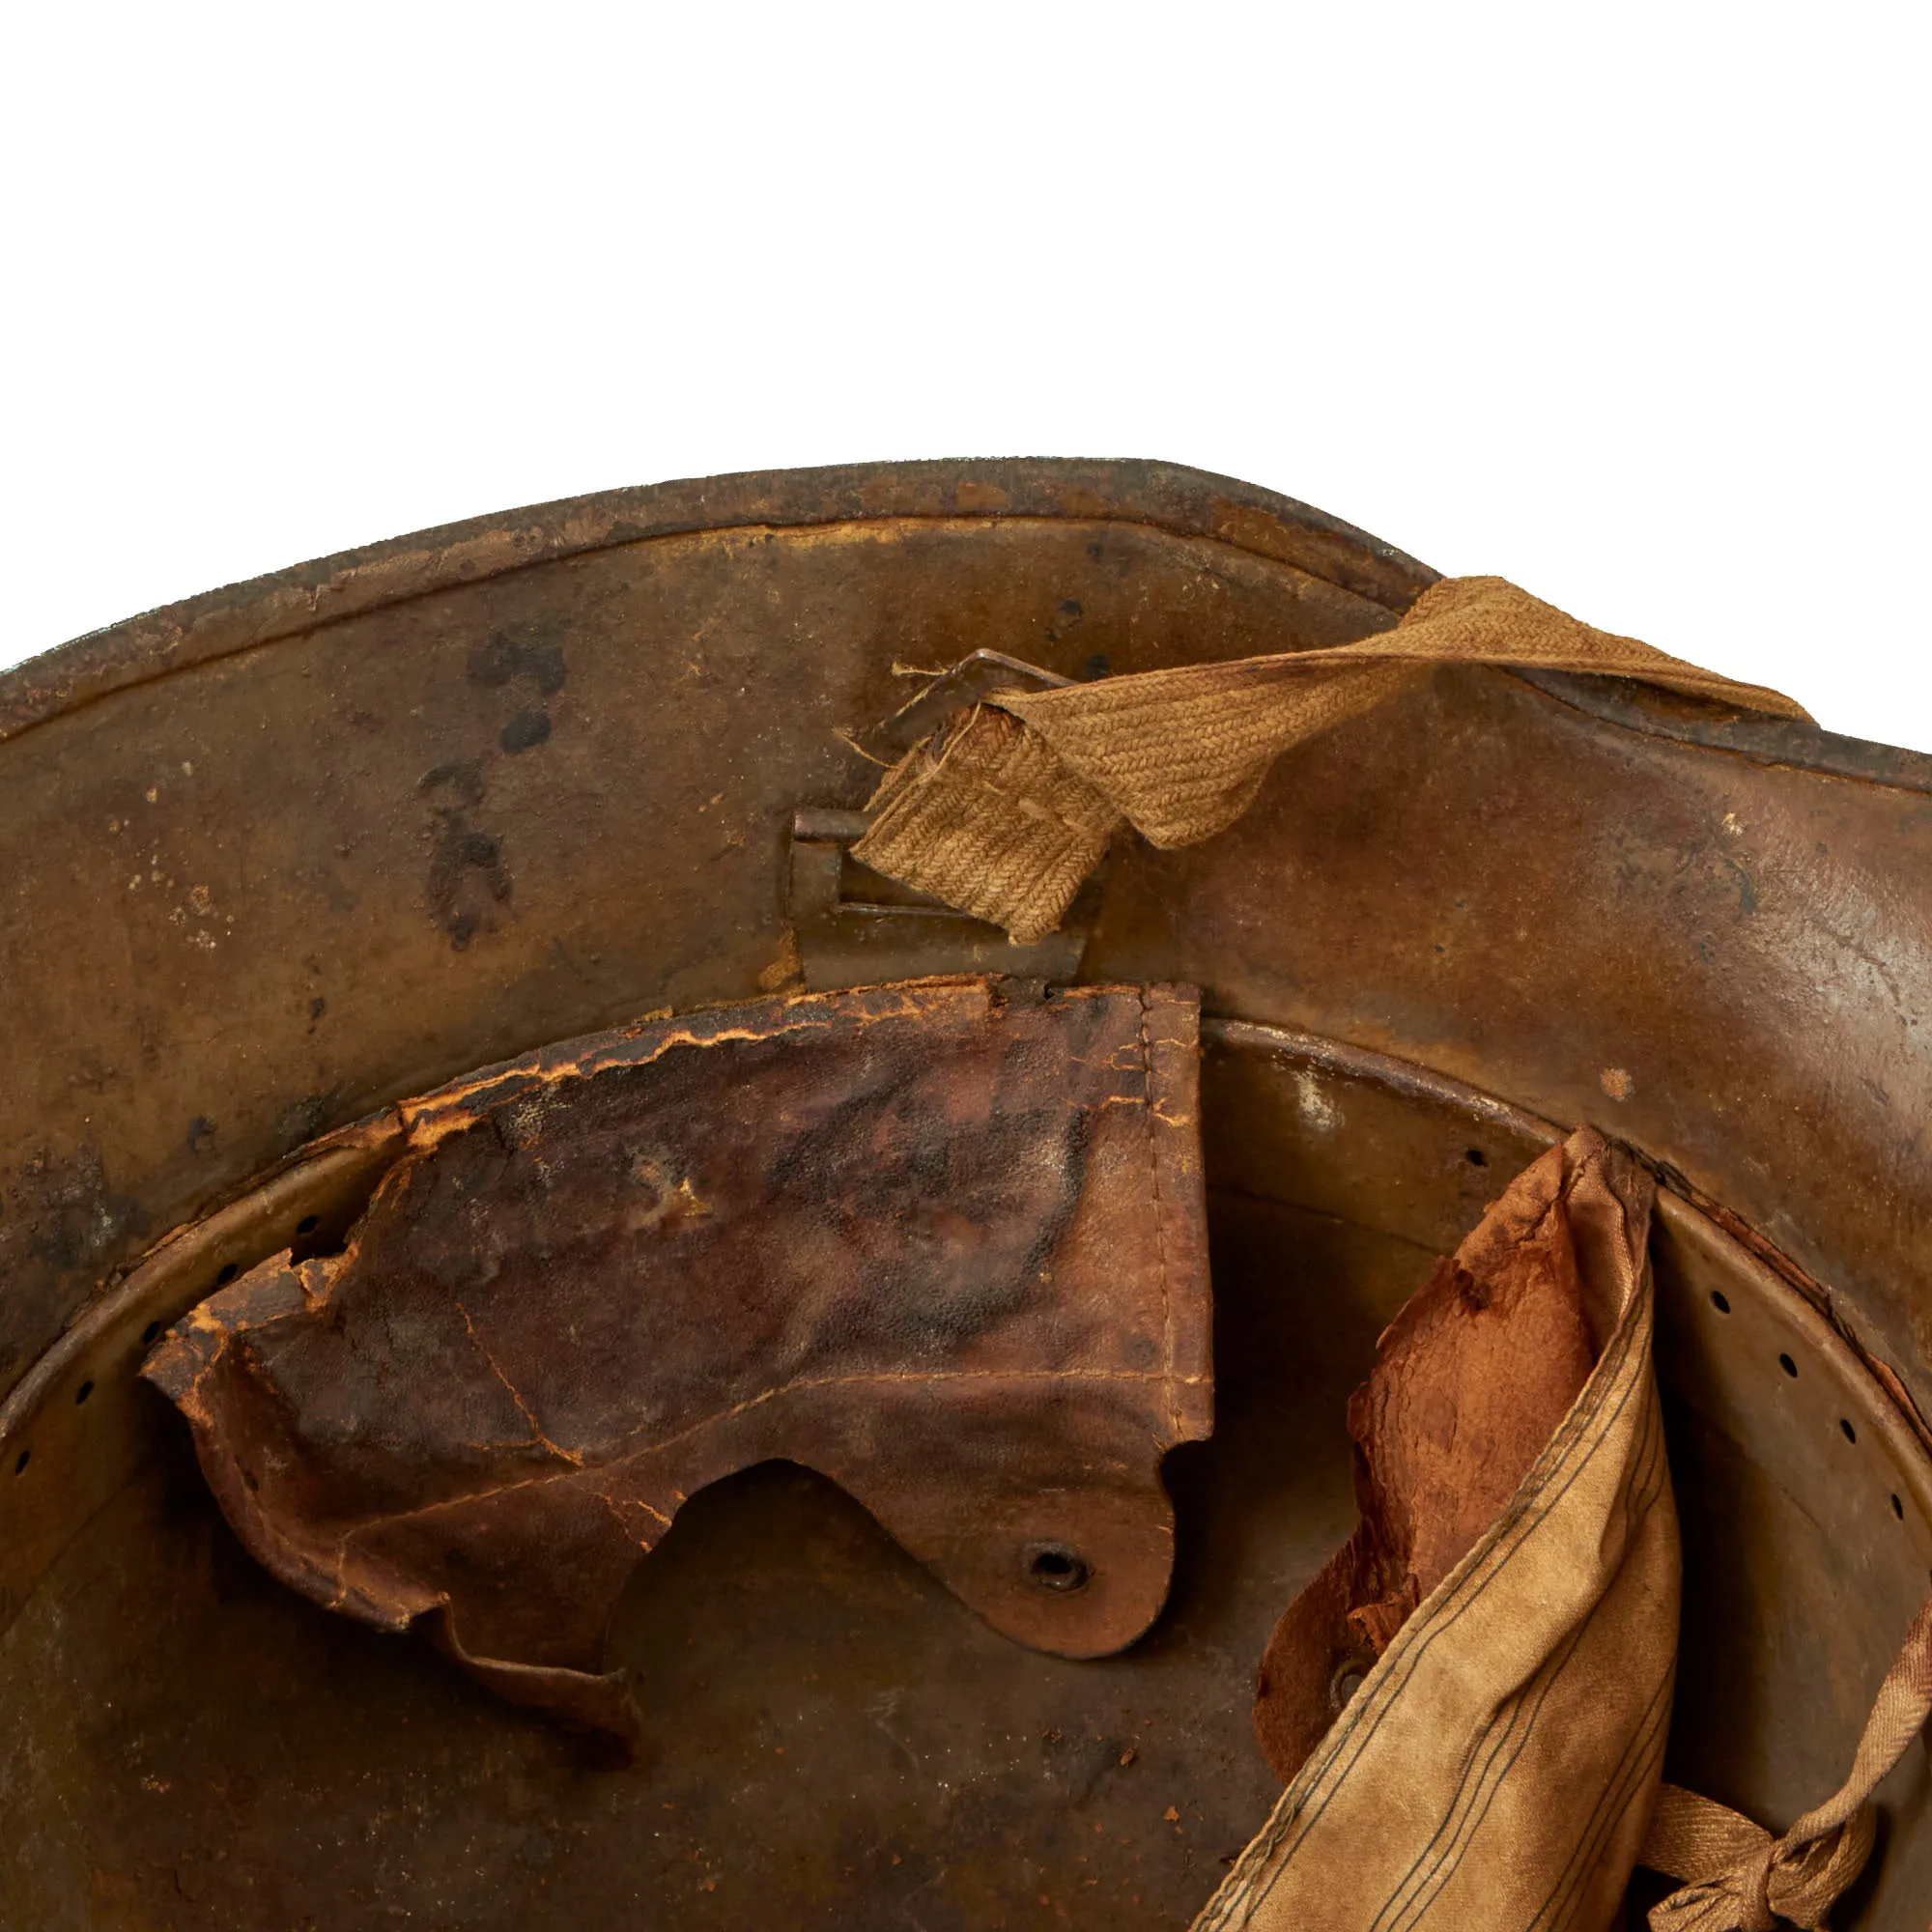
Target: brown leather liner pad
{"points": [[1470, 1383], [943, 1241]]}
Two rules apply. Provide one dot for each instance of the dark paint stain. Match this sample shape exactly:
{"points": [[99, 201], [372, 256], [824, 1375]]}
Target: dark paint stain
{"points": [[467, 877], [526, 730], [1069, 615], [461, 777], [317, 1007], [306, 1118], [68, 1215], [500, 659], [1099, 665], [200, 1135], [65, 1222], [325, 880], [1746, 887]]}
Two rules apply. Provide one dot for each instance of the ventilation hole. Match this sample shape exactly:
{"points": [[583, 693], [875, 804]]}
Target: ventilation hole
{"points": [[150, 1332], [1721, 1301], [1476, 1157], [228, 1273], [1785, 1363], [1055, 1567], [1348, 1680], [81, 1394], [21, 1461], [306, 1225], [1898, 1509], [1851, 1433]]}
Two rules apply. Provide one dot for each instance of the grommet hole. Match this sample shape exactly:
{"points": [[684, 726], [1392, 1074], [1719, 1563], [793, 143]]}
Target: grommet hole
{"points": [[229, 1272], [1055, 1567], [21, 1461], [1343, 1684], [1476, 1157], [1789, 1367], [1851, 1433], [81, 1394], [151, 1334], [1721, 1301], [306, 1225], [1897, 1508]]}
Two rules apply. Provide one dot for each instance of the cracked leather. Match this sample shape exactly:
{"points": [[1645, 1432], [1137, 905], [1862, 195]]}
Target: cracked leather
{"points": [[941, 1241]]}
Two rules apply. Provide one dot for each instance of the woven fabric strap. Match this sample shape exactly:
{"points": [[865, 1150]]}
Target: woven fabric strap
{"points": [[1005, 812], [1743, 1879]]}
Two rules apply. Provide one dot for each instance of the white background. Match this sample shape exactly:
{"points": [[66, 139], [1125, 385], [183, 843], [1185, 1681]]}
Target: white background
{"points": [[1626, 303]]}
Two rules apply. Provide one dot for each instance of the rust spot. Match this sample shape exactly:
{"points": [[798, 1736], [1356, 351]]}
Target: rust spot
{"points": [[974, 497], [786, 968]]}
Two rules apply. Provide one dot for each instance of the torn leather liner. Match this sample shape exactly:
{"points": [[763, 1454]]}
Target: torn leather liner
{"points": [[943, 1242]]}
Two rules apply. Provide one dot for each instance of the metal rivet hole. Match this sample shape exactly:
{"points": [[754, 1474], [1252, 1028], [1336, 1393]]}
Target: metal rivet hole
{"points": [[1055, 1567]]}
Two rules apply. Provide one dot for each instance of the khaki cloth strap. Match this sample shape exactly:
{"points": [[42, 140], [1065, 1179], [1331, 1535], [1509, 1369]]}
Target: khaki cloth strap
{"points": [[1005, 811], [1742, 1879], [1496, 1770]]}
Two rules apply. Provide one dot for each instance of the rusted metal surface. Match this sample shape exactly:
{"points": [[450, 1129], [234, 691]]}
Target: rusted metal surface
{"points": [[851, 927], [1722, 962], [277, 857], [452, 886], [942, 1243], [1743, 734], [956, 688], [1155, 495], [307, 1769], [385, 871]]}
